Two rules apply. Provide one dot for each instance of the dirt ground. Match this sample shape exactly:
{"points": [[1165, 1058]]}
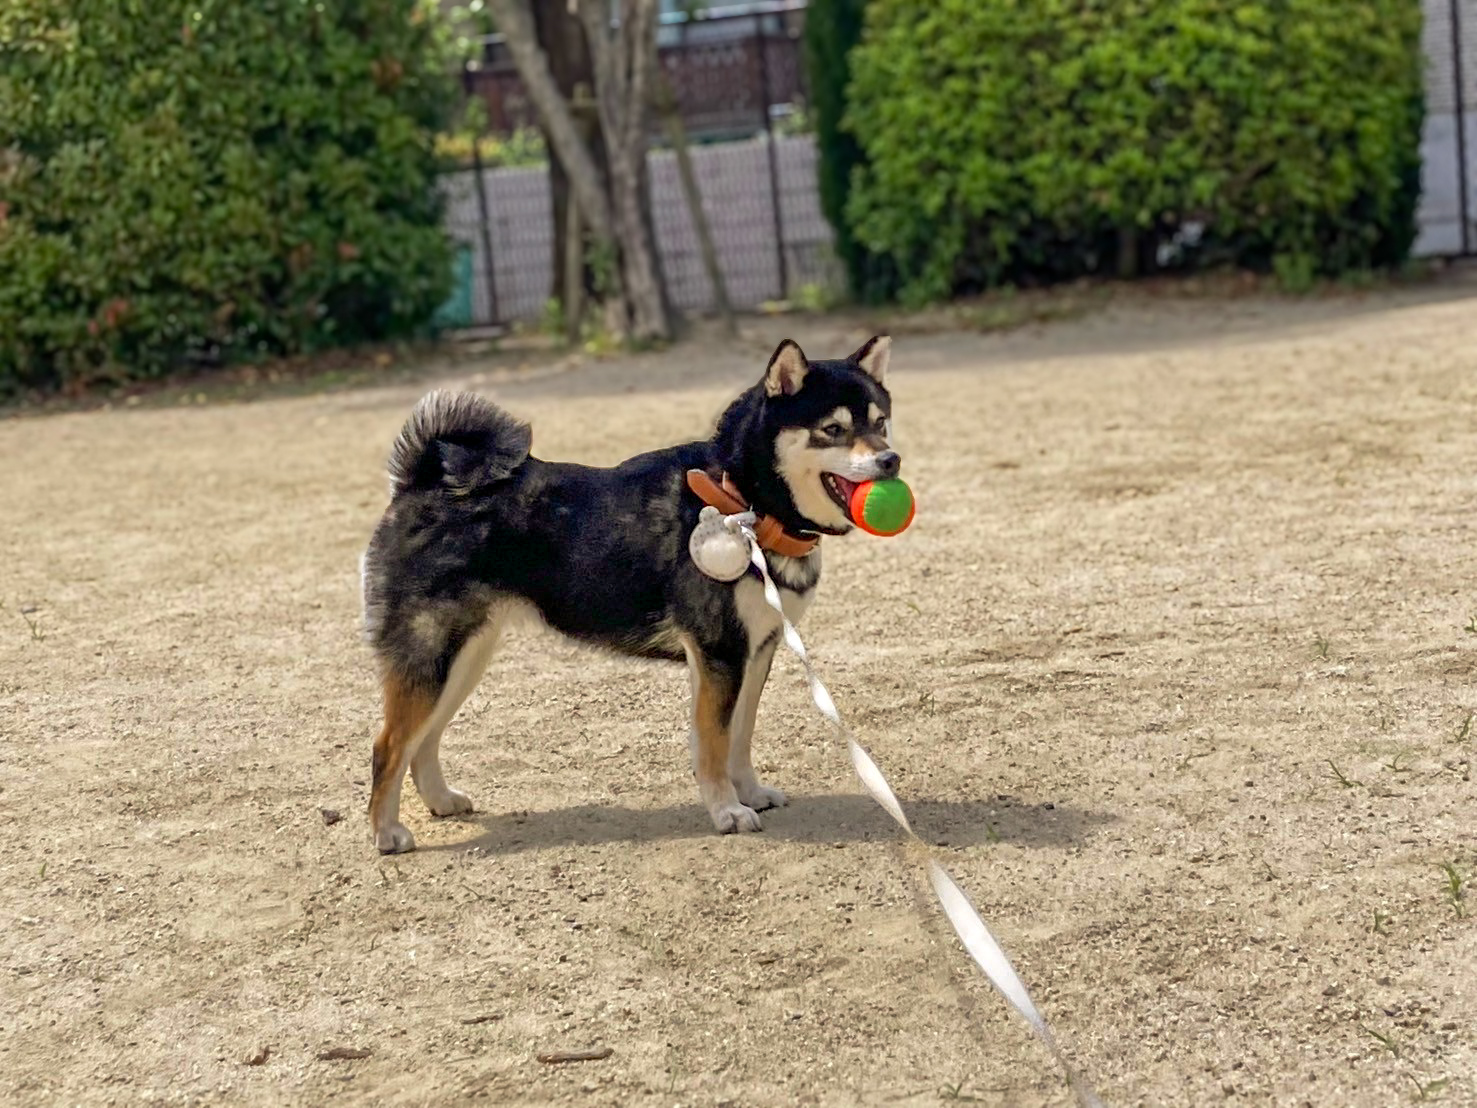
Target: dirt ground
{"points": [[1177, 667]]}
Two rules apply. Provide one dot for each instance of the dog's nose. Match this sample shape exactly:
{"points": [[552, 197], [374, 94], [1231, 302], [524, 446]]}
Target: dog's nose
{"points": [[889, 462]]}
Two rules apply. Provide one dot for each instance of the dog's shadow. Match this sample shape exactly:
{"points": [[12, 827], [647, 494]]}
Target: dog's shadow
{"points": [[829, 819]]}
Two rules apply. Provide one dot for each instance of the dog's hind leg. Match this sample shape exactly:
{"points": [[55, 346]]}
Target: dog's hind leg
{"points": [[408, 710], [741, 733], [425, 763], [413, 717], [715, 690]]}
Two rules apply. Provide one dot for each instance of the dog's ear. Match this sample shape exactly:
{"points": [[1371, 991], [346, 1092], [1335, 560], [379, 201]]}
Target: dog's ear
{"points": [[873, 357], [787, 369]]}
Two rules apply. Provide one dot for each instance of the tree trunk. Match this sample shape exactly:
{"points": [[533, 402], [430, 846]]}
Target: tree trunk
{"points": [[622, 65], [562, 37], [623, 60], [667, 108], [1128, 252], [516, 25], [638, 258], [572, 294], [648, 218]]}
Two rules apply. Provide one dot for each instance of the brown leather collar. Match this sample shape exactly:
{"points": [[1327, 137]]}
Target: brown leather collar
{"points": [[725, 496]]}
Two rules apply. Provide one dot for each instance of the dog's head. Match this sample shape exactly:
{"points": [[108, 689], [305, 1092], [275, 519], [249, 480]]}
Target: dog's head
{"points": [[810, 432]]}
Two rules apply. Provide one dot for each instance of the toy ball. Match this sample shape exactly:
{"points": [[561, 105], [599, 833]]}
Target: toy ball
{"points": [[721, 553], [882, 507]]}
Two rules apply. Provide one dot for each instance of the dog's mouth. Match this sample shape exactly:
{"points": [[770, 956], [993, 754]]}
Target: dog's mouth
{"points": [[839, 489]]}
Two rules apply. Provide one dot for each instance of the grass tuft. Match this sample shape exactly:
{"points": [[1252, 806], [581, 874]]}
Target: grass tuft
{"points": [[1456, 888], [1344, 780]]}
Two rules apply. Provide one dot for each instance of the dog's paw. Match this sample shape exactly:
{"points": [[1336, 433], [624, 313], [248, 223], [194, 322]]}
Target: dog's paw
{"points": [[729, 818], [394, 839], [759, 797], [450, 803]]}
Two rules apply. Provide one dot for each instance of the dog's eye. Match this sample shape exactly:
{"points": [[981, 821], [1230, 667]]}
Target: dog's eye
{"points": [[833, 429]]}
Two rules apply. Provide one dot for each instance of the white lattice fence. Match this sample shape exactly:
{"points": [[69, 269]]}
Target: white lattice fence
{"points": [[733, 178], [1450, 107]]}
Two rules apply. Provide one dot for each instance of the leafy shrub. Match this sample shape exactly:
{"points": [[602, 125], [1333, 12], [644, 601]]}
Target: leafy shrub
{"points": [[1010, 142], [194, 183], [832, 30]]}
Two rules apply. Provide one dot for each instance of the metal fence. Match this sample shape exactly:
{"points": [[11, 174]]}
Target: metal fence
{"points": [[739, 83], [735, 77], [731, 73], [1448, 211], [734, 179]]}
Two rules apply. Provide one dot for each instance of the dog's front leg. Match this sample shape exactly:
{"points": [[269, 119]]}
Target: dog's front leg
{"points": [[715, 690], [741, 733]]}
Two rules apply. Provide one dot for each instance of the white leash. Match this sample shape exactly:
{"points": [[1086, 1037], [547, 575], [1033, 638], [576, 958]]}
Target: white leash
{"points": [[982, 946]]}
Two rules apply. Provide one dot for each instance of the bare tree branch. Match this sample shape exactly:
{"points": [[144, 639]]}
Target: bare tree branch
{"points": [[515, 22], [622, 64], [596, 17], [665, 102], [643, 53]]}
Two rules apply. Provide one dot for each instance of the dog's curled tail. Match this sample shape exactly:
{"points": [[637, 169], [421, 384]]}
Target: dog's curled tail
{"points": [[457, 441]]}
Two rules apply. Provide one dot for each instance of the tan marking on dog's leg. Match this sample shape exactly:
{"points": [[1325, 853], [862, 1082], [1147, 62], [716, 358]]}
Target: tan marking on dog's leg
{"points": [[712, 714], [425, 764], [407, 710], [741, 736]]}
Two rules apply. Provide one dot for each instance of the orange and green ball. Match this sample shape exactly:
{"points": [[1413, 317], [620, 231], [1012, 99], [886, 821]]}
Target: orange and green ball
{"points": [[882, 507]]}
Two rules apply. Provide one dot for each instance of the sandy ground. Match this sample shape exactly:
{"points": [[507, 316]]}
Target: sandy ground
{"points": [[1176, 668]]}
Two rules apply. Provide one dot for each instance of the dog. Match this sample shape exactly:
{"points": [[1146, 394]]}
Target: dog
{"points": [[478, 530]]}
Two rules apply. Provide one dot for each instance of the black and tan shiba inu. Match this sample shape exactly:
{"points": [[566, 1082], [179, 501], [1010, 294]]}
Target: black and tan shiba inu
{"points": [[477, 530]]}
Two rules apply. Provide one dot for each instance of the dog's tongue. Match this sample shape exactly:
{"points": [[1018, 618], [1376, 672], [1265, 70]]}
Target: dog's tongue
{"points": [[847, 488]]}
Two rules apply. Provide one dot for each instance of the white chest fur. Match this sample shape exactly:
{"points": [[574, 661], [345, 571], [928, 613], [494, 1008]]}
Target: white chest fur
{"points": [[759, 619]]}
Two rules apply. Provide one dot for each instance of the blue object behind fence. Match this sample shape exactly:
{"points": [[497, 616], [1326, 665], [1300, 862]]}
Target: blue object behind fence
{"points": [[457, 310]]}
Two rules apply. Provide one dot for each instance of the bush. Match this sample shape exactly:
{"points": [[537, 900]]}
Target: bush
{"points": [[1009, 142], [523, 148], [832, 30], [188, 184]]}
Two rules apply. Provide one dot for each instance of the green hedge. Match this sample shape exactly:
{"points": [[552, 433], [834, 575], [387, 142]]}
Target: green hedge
{"points": [[1020, 142], [193, 183]]}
